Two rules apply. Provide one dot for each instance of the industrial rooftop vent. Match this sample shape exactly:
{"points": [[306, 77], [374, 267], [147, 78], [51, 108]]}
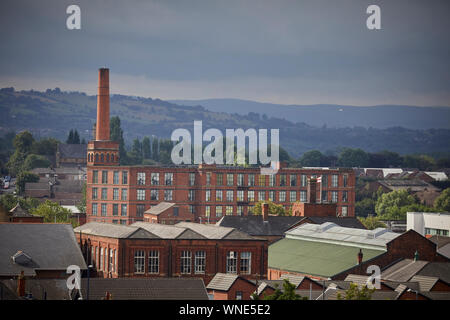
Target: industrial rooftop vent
{"points": [[325, 226], [21, 258], [376, 233]]}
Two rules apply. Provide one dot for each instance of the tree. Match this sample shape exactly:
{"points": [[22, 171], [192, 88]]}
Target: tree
{"points": [[353, 158], [22, 178], [313, 158], [45, 147], [35, 161], [54, 213], [365, 207], [421, 162], [442, 203], [146, 148], [357, 293], [392, 205], [22, 144], [81, 206], [274, 209], [70, 137], [9, 201], [372, 222], [76, 137], [288, 293], [116, 134]]}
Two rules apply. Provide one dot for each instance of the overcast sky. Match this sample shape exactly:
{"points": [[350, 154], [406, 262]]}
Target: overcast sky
{"points": [[290, 52]]}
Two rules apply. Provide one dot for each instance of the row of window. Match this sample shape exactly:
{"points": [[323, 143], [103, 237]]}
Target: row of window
{"points": [[104, 176], [437, 232], [104, 259], [222, 179], [262, 196], [219, 195], [190, 262], [101, 157], [104, 209], [242, 210]]}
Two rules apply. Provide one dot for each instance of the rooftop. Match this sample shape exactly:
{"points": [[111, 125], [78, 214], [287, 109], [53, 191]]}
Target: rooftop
{"points": [[145, 289], [37, 246], [315, 258], [329, 232], [278, 225], [159, 208], [146, 230]]}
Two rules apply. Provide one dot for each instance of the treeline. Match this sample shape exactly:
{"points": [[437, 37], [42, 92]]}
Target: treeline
{"points": [[358, 158], [74, 137]]}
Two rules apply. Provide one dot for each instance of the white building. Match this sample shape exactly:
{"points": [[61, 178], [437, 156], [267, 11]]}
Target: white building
{"points": [[429, 223]]}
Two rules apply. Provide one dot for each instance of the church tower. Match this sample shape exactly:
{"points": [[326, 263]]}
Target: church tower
{"points": [[102, 151]]}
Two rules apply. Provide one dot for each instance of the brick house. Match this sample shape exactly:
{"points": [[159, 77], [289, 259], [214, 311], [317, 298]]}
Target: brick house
{"points": [[182, 250], [230, 287], [121, 194], [167, 213]]}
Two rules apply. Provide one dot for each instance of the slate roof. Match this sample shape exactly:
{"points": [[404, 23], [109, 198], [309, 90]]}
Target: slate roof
{"points": [[441, 241], [222, 281], [50, 247], [211, 231], [146, 230], [40, 289], [165, 231], [145, 288], [72, 150], [445, 250], [437, 269], [425, 282], [112, 230], [18, 211], [159, 208], [403, 270], [315, 257], [256, 226], [278, 225]]}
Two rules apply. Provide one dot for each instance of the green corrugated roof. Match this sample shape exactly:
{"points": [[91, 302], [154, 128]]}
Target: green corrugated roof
{"points": [[315, 258]]}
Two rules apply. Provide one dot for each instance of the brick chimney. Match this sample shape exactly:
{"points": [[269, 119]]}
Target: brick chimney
{"points": [[360, 256], [21, 284], [265, 211], [102, 129], [311, 190]]}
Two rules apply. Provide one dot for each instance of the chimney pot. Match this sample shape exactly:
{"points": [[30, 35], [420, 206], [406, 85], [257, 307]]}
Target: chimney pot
{"points": [[21, 284], [360, 256]]}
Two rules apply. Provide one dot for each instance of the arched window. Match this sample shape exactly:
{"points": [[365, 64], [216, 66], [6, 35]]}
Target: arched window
{"points": [[96, 157], [112, 157], [102, 158], [107, 157]]}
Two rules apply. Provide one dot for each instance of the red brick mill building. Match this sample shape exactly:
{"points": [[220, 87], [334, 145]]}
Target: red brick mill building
{"points": [[203, 193], [183, 250]]}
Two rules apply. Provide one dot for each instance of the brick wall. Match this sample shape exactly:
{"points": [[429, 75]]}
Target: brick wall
{"points": [[170, 256], [181, 187]]}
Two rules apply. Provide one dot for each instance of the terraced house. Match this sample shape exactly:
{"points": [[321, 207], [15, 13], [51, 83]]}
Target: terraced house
{"points": [[203, 193]]}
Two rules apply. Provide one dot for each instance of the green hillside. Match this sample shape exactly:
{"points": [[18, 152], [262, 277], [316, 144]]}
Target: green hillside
{"points": [[53, 113]]}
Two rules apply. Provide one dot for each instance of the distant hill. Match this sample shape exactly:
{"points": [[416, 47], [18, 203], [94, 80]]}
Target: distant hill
{"points": [[336, 116], [53, 113]]}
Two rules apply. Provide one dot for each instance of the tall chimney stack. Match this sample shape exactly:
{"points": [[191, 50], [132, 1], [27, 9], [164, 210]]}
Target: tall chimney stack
{"points": [[102, 125]]}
